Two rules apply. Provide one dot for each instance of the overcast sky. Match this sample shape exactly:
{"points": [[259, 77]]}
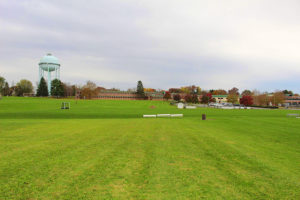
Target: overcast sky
{"points": [[251, 44]]}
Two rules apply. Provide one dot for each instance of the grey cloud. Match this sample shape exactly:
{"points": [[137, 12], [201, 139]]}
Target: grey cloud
{"points": [[169, 43]]}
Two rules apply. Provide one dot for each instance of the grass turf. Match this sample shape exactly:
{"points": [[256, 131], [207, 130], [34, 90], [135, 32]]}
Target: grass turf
{"points": [[104, 150]]}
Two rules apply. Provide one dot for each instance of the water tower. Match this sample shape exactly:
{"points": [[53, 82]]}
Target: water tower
{"points": [[49, 64]]}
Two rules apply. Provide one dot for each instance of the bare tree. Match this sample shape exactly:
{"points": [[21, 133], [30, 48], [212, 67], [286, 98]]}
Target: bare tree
{"points": [[89, 90]]}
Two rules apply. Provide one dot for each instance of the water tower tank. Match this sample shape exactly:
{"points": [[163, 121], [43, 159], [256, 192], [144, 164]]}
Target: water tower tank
{"points": [[49, 64]]}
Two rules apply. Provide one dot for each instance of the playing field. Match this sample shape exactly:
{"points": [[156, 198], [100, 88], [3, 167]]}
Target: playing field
{"points": [[104, 149]]}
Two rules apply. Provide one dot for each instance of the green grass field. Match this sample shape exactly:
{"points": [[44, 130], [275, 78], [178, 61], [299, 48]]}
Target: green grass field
{"points": [[105, 150]]}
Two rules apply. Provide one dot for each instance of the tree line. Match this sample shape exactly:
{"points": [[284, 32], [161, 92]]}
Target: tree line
{"points": [[58, 88], [192, 94]]}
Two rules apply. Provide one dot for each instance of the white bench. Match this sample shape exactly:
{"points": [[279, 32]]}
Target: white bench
{"points": [[227, 108], [190, 107], [163, 115], [177, 115], [149, 116]]}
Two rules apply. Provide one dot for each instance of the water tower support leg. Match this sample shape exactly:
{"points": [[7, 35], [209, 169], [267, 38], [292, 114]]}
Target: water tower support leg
{"points": [[40, 74], [49, 81], [55, 71]]}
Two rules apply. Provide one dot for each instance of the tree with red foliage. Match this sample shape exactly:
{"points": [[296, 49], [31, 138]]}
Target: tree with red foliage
{"points": [[195, 98], [204, 99], [191, 98], [188, 98], [246, 100], [167, 95], [207, 98], [210, 97], [177, 97]]}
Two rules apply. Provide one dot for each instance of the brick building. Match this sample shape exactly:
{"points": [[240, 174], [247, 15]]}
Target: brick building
{"points": [[292, 100], [122, 95]]}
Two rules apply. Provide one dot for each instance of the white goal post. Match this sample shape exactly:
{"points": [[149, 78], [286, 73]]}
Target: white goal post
{"points": [[65, 105]]}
